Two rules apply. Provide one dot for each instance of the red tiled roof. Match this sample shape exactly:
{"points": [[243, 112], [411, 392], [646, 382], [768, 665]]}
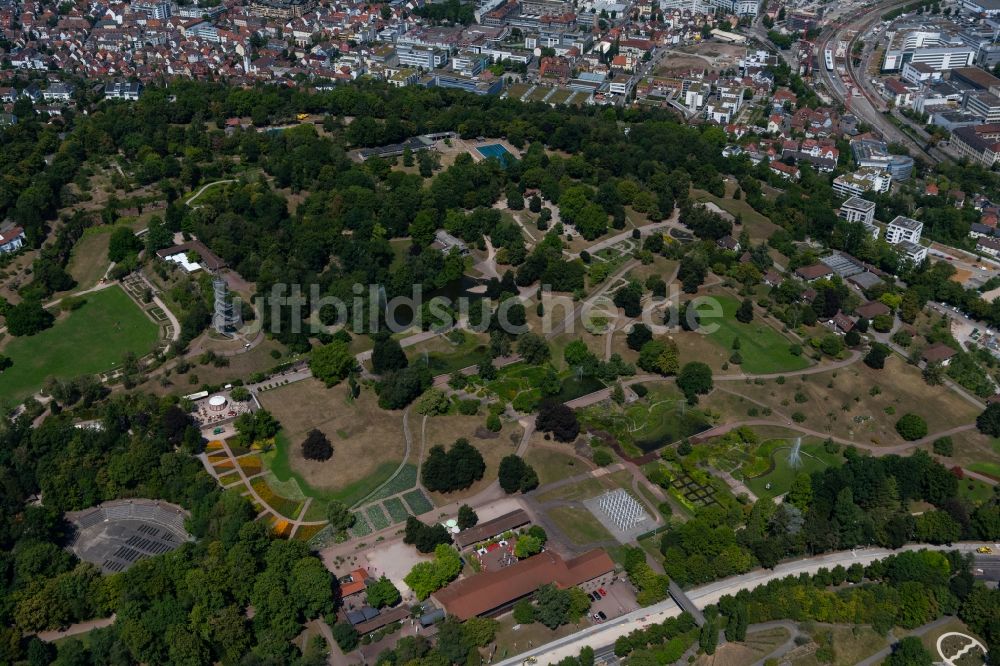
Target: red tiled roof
{"points": [[357, 584], [489, 590]]}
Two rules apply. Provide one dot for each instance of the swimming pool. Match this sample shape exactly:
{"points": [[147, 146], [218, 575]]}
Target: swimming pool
{"points": [[495, 151]]}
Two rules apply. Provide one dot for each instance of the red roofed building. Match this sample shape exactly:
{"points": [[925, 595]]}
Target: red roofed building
{"points": [[493, 592], [356, 583]]}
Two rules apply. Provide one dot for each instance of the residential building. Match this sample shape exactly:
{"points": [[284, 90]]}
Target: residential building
{"points": [[988, 246], [903, 229], [900, 95], [58, 92], [912, 251], [11, 240], [281, 9], [129, 90], [785, 171], [938, 353], [860, 210], [863, 180], [154, 10], [872, 309]]}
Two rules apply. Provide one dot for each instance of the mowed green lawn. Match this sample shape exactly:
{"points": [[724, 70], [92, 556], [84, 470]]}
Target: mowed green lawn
{"points": [[813, 458], [763, 349], [89, 340]]}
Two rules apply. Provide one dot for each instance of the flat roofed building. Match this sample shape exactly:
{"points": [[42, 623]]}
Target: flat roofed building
{"points": [[983, 104], [978, 78], [857, 209], [904, 229], [863, 180], [912, 251], [281, 9]]}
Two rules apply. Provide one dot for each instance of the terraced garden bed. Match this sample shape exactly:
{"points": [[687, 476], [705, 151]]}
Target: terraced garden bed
{"points": [[250, 465], [361, 527], [377, 517], [227, 479], [418, 502], [283, 505], [397, 512], [404, 480], [307, 532]]}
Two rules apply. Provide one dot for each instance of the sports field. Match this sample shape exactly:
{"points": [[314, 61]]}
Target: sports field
{"points": [[89, 340], [763, 349]]}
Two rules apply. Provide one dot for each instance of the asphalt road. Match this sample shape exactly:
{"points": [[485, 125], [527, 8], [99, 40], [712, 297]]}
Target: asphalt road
{"points": [[601, 636], [862, 105]]}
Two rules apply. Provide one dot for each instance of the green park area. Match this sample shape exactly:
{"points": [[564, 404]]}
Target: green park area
{"points": [[757, 225], [767, 466], [661, 417], [91, 339], [447, 353], [763, 349], [784, 465], [520, 384], [368, 444]]}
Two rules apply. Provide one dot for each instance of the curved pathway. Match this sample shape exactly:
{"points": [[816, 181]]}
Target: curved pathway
{"points": [[604, 394], [408, 438], [205, 187]]}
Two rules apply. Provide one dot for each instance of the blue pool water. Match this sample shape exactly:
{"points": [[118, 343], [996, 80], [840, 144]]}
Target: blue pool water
{"points": [[496, 151]]}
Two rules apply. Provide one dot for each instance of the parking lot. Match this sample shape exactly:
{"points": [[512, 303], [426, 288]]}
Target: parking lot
{"points": [[618, 600]]}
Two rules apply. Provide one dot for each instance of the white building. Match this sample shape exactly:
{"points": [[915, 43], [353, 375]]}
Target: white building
{"points": [[426, 57], [861, 211], [58, 92], [863, 180], [154, 10], [912, 251], [904, 229], [129, 90], [939, 50], [857, 209]]}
